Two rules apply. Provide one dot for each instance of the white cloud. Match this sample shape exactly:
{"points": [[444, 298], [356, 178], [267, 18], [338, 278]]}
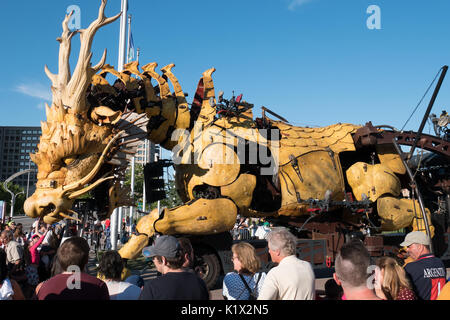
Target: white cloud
{"points": [[35, 90], [41, 106], [297, 3]]}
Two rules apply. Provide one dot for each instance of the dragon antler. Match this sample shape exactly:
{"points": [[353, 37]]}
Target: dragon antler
{"points": [[70, 91]]}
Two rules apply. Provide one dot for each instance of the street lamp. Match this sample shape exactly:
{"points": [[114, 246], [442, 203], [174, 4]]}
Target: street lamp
{"points": [[13, 196], [13, 200]]}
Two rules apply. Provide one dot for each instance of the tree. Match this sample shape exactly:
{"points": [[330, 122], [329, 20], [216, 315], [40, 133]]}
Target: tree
{"points": [[172, 198], [138, 181], [6, 196]]}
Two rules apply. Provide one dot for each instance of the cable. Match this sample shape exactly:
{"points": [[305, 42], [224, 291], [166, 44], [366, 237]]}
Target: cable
{"points": [[307, 220], [415, 109], [418, 164]]}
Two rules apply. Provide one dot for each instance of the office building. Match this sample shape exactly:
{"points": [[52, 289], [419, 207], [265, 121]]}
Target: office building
{"points": [[140, 157], [16, 144]]}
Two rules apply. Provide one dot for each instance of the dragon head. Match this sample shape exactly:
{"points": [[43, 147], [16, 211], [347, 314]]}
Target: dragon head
{"points": [[93, 128], [84, 144]]}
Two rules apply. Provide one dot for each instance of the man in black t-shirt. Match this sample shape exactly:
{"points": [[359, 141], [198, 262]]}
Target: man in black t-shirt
{"points": [[175, 283], [427, 272]]}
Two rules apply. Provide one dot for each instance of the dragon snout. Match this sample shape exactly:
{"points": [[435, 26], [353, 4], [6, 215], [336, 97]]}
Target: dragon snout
{"points": [[38, 206], [50, 207], [31, 208]]}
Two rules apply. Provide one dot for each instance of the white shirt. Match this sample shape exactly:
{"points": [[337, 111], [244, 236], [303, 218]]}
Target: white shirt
{"points": [[262, 232], [292, 279], [46, 240], [6, 290], [121, 290]]}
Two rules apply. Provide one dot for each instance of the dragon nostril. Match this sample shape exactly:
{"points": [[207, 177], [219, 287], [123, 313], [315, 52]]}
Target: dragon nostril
{"points": [[48, 209]]}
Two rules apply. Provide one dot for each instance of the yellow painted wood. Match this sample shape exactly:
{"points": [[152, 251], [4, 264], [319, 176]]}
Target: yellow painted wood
{"points": [[297, 141], [133, 248], [201, 216], [390, 158], [317, 175], [221, 164], [397, 213], [372, 180], [241, 190]]}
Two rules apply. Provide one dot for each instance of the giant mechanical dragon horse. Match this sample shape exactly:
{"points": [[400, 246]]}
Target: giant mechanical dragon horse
{"points": [[226, 163]]}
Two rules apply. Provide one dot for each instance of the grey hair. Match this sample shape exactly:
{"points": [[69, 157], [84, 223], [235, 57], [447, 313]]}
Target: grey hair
{"points": [[8, 235], [281, 239]]}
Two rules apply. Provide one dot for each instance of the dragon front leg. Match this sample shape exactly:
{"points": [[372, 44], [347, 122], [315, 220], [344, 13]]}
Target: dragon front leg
{"points": [[197, 217], [381, 185]]}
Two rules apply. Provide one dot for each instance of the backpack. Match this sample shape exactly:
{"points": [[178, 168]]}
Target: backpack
{"points": [[252, 295]]}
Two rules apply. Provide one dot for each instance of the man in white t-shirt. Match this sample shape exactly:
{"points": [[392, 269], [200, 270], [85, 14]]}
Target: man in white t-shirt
{"points": [[292, 279]]}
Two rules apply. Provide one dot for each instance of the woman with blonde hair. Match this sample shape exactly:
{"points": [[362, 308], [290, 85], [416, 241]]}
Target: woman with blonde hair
{"points": [[246, 282], [391, 282]]}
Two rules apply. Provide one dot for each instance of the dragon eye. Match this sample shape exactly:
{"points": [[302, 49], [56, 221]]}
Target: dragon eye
{"points": [[70, 160]]}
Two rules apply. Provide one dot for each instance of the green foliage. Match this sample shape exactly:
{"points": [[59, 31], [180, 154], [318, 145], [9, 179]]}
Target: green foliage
{"points": [[6, 196], [172, 198], [87, 195], [138, 181]]}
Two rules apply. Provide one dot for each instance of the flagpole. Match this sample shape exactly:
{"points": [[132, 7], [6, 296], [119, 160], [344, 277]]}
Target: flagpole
{"points": [[132, 193], [129, 36], [143, 187], [123, 28], [133, 159], [120, 63]]}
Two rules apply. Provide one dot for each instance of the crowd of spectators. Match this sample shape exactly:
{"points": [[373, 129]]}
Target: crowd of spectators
{"points": [[49, 262], [29, 256], [250, 228], [423, 276]]}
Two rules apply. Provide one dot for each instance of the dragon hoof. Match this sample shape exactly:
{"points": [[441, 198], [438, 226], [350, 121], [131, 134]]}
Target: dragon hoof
{"points": [[133, 248]]}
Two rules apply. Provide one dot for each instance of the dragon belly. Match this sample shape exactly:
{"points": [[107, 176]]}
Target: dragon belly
{"points": [[310, 175], [309, 164]]}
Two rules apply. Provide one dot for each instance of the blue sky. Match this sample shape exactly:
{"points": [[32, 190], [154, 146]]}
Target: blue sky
{"points": [[315, 62]]}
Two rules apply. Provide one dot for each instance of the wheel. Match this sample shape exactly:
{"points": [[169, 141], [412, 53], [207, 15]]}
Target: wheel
{"points": [[207, 266]]}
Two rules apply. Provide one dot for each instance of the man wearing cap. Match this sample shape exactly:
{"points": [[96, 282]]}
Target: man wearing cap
{"points": [[12, 225], [427, 272], [175, 283]]}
